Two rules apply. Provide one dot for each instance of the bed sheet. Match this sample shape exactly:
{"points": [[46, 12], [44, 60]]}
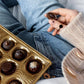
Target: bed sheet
{"points": [[60, 80]]}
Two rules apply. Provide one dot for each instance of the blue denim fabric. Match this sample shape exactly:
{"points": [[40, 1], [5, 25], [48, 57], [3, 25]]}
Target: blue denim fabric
{"points": [[10, 3], [53, 47], [36, 35], [34, 11], [12, 24]]}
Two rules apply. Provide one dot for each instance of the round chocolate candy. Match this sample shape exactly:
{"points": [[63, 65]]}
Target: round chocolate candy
{"points": [[19, 54], [15, 82], [7, 44], [0, 55], [0, 78], [8, 68], [51, 16], [34, 66]]}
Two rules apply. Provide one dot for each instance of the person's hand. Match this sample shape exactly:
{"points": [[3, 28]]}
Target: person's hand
{"points": [[66, 16]]}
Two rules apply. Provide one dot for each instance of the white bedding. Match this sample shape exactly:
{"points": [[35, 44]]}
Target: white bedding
{"points": [[60, 80], [72, 4]]}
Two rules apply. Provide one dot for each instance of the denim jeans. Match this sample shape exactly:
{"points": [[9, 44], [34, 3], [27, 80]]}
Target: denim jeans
{"points": [[36, 35], [10, 3]]}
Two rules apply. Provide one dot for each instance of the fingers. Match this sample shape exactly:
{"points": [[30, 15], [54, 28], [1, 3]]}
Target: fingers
{"points": [[55, 25], [50, 28], [67, 15], [54, 32], [61, 11], [62, 19]]}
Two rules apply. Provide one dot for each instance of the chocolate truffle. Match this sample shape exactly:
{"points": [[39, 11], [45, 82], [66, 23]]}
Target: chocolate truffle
{"points": [[0, 79], [8, 68], [15, 82], [19, 54], [0, 55], [34, 66], [51, 16], [7, 44]]}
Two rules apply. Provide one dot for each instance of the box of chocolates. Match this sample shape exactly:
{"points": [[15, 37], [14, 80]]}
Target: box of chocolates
{"points": [[19, 62]]}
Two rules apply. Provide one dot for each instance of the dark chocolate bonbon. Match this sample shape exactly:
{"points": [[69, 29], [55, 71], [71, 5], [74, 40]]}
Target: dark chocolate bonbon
{"points": [[8, 68], [7, 44], [34, 66], [51, 16], [15, 82], [19, 54]]}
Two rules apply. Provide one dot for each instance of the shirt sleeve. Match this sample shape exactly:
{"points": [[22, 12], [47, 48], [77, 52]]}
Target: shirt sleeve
{"points": [[74, 32], [73, 63]]}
